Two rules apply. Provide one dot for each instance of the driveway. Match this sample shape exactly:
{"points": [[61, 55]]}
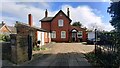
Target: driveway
{"points": [[63, 54]]}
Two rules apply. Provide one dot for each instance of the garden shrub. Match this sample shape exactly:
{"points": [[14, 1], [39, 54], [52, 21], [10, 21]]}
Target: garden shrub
{"points": [[4, 37]]}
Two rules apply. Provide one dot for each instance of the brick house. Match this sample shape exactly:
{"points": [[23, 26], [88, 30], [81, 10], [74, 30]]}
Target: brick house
{"points": [[41, 35], [4, 29], [61, 29]]}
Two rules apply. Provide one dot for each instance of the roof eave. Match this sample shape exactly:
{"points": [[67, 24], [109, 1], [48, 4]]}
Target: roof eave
{"points": [[45, 21]]}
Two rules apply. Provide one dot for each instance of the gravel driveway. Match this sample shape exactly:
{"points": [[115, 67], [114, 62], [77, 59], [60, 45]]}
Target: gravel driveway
{"points": [[63, 54]]}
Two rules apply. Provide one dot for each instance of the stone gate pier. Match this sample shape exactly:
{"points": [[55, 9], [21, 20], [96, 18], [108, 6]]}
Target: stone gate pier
{"points": [[22, 42]]}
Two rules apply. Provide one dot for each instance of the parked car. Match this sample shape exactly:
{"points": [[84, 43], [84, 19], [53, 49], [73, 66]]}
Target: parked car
{"points": [[91, 41]]}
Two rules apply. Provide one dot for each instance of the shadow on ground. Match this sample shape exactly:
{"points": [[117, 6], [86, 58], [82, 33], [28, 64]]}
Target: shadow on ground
{"points": [[70, 59]]}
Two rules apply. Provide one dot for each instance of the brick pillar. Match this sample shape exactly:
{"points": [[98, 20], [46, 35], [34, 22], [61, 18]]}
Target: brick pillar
{"points": [[19, 48]]}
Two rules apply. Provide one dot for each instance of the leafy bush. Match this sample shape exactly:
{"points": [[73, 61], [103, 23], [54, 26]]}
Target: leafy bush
{"points": [[36, 49], [4, 37]]}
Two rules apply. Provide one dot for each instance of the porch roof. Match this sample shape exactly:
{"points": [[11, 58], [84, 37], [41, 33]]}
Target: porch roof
{"points": [[76, 28]]}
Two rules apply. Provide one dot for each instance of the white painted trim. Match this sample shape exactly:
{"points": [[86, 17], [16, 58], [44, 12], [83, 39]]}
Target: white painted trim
{"points": [[7, 28]]}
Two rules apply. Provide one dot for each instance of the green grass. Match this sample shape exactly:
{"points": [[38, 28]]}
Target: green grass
{"points": [[85, 43], [38, 48]]}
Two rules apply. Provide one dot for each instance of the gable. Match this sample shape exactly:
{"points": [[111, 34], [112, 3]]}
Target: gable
{"points": [[49, 19], [4, 29], [61, 13]]}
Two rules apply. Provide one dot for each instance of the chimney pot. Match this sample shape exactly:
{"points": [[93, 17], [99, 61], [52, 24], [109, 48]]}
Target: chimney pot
{"points": [[30, 20], [3, 23], [46, 13], [68, 12]]}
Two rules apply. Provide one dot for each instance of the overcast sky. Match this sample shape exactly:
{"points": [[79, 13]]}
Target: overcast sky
{"points": [[90, 14]]}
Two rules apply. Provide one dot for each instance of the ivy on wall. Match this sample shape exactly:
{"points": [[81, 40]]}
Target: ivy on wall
{"points": [[23, 41]]}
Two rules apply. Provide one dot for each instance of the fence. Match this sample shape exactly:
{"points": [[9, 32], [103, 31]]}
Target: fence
{"points": [[106, 49]]}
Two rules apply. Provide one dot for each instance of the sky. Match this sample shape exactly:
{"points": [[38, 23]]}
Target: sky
{"points": [[90, 14]]}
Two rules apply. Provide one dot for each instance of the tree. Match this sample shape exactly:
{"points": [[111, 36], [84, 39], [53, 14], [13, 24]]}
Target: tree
{"points": [[4, 37], [77, 24], [114, 10]]}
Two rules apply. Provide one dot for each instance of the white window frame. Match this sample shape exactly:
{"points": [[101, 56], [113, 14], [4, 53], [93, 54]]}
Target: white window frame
{"points": [[79, 33], [53, 34], [63, 34], [60, 22]]}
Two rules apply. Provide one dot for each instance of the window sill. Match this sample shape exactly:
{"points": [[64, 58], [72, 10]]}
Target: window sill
{"points": [[63, 38]]}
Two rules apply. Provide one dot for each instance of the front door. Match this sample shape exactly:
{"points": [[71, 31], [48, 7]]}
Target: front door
{"points": [[74, 36]]}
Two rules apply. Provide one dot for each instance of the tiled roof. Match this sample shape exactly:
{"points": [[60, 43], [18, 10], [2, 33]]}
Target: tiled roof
{"points": [[12, 29], [47, 19], [32, 27], [76, 28]]}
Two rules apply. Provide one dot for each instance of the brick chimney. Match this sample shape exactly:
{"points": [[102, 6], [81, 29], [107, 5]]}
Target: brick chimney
{"points": [[46, 13], [30, 21], [68, 12]]}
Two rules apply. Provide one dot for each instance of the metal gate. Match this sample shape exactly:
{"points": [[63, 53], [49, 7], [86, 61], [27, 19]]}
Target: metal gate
{"points": [[29, 47], [106, 48]]}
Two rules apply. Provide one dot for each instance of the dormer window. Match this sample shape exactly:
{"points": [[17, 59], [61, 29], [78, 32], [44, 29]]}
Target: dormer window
{"points": [[60, 22]]}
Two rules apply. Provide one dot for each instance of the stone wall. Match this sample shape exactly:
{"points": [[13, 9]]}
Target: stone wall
{"points": [[6, 50], [19, 43], [26, 30], [19, 47]]}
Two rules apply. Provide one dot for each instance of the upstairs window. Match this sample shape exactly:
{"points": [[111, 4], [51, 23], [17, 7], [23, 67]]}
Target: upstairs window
{"points": [[60, 22], [63, 34]]}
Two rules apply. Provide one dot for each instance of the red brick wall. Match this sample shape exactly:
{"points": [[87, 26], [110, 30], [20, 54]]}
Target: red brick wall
{"points": [[84, 38], [45, 25], [84, 35], [55, 27], [66, 27]]}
